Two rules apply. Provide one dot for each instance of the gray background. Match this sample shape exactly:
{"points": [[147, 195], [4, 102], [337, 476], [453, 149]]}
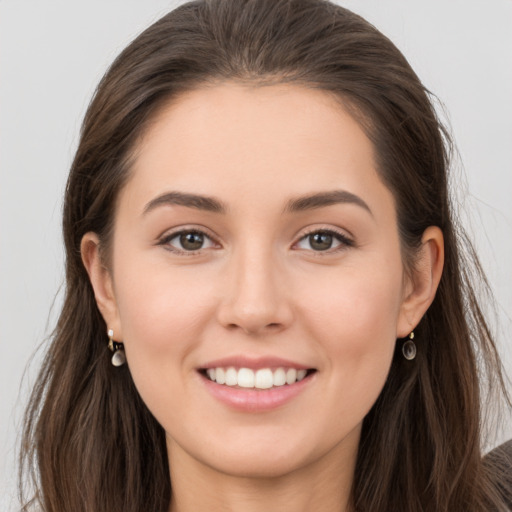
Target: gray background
{"points": [[52, 54]]}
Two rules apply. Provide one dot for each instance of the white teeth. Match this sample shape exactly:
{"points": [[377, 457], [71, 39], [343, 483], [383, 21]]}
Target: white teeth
{"points": [[220, 376], [245, 378], [231, 377], [291, 376], [279, 377], [263, 378]]}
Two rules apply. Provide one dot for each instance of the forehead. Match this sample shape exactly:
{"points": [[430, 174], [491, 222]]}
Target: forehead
{"points": [[253, 145]]}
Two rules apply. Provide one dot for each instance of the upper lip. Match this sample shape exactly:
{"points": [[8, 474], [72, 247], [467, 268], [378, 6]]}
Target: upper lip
{"points": [[254, 363]]}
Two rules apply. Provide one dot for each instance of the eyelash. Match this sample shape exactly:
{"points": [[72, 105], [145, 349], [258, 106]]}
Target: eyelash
{"points": [[344, 240], [171, 236]]}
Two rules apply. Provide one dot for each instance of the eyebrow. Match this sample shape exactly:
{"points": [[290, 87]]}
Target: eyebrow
{"points": [[206, 203], [298, 204], [322, 199]]}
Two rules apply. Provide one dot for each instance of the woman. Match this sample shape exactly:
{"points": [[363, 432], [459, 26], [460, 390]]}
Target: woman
{"points": [[258, 227]]}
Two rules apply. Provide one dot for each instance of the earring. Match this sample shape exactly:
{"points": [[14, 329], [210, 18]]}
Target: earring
{"points": [[119, 357], [409, 348]]}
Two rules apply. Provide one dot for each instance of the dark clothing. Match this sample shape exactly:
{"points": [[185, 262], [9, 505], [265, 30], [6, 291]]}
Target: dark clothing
{"points": [[501, 458]]}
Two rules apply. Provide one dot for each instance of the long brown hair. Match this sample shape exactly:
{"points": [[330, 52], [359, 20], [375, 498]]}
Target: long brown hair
{"points": [[91, 442]]}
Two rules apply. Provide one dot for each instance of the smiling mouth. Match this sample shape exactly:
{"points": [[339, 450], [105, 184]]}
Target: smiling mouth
{"points": [[263, 378]]}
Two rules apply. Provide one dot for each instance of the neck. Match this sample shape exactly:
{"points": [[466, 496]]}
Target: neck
{"points": [[324, 484]]}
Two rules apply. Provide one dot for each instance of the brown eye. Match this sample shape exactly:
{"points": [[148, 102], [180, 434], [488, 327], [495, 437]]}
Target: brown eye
{"points": [[191, 241], [324, 240], [187, 241], [320, 241]]}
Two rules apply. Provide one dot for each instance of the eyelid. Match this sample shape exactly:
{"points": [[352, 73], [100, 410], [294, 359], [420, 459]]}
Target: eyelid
{"points": [[346, 240], [165, 238]]}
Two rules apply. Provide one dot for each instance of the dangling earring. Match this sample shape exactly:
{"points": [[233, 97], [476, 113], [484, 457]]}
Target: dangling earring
{"points": [[409, 348], [119, 357]]}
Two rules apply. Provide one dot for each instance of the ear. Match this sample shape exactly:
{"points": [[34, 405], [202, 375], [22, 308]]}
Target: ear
{"points": [[421, 286], [101, 281]]}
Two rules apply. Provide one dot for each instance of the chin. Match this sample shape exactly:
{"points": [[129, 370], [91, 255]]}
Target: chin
{"points": [[260, 465], [275, 455]]}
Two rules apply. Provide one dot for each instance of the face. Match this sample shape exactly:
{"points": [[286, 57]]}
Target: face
{"points": [[255, 243]]}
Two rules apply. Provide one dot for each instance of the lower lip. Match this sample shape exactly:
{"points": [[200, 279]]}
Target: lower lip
{"points": [[257, 400]]}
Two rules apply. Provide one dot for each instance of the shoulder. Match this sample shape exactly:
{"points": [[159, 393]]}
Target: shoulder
{"points": [[502, 455], [499, 462]]}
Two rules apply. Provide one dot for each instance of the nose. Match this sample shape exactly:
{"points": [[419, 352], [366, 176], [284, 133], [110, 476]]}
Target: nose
{"points": [[256, 297]]}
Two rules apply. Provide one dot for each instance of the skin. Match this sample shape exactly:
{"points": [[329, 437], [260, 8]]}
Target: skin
{"points": [[259, 286]]}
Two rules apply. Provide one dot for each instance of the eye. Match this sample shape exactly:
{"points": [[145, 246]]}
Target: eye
{"points": [[324, 240], [187, 241]]}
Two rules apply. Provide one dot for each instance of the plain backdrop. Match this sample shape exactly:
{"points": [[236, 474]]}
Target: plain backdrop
{"points": [[52, 54]]}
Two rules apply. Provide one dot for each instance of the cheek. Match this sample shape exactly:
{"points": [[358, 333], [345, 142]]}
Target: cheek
{"points": [[356, 306], [163, 313], [158, 305], [355, 318]]}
